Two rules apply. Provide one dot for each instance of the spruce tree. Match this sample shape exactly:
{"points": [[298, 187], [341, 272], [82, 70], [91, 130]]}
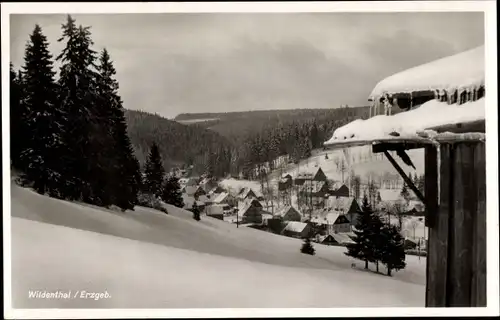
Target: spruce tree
{"points": [[43, 120], [172, 192], [17, 118], [362, 248], [77, 96], [122, 169], [393, 256], [421, 184], [307, 247], [154, 172], [377, 241], [196, 212], [405, 193]]}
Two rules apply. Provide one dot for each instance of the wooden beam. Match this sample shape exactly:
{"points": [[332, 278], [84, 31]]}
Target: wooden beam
{"points": [[381, 147], [404, 176], [431, 186]]}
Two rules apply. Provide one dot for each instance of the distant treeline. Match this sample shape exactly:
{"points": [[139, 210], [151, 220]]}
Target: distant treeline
{"points": [[238, 141]]}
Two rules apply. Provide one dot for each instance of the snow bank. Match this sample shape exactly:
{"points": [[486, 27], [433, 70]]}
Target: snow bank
{"points": [[407, 124], [147, 259], [142, 275], [461, 71]]}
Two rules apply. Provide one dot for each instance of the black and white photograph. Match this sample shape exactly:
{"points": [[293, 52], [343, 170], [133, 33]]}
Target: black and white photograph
{"points": [[250, 159]]}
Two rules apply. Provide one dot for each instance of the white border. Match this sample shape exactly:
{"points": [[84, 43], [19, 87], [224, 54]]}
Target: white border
{"points": [[428, 6]]}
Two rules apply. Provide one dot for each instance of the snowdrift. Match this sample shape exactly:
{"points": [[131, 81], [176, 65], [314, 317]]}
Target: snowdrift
{"points": [[429, 115], [147, 259], [454, 73]]}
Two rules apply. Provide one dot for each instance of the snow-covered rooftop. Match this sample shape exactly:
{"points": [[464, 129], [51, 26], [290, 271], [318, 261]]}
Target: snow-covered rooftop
{"points": [[460, 71], [295, 226], [410, 125]]}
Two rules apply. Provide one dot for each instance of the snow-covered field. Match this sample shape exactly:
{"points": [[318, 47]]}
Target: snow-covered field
{"points": [[147, 259], [191, 121], [360, 160]]}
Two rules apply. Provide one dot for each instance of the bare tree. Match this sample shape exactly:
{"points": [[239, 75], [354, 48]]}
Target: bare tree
{"points": [[398, 209], [413, 225], [342, 168]]}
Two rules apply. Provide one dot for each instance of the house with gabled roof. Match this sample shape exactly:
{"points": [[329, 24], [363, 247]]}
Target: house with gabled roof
{"points": [[225, 198], [250, 211], [288, 213], [297, 229], [193, 191]]}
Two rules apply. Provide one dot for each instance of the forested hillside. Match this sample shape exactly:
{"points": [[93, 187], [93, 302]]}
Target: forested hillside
{"points": [[236, 142], [179, 144], [239, 125]]}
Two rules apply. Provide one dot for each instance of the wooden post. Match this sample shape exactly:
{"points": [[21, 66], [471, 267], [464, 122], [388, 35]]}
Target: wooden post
{"points": [[437, 256], [478, 282], [456, 260], [460, 238]]}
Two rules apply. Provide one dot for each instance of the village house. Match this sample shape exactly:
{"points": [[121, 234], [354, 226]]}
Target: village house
{"points": [[215, 211], [339, 191], [334, 239], [285, 182], [189, 201], [301, 178], [345, 205], [331, 222], [442, 111], [314, 192], [248, 193], [193, 191], [250, 211], [216, 190], [288, 213], [297, 229], [225, 198]]}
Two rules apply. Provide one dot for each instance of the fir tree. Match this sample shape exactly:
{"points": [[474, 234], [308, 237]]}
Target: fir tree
{"points": [[196, 212], [123, 170], [362, 248], [44, 122], [154, 172], [307, 247], [17, 118], [377, 241], [77, 96], [421, 184], [172, 192], [405, 193], [393, 256]]}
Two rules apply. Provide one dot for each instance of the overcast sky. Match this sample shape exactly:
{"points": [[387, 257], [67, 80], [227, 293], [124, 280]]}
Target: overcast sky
{"points": [[173, 63]]}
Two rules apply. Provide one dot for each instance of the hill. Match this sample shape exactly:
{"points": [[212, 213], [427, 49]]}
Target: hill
{"points": [[234, 125], [147, 259], [179, 144]]}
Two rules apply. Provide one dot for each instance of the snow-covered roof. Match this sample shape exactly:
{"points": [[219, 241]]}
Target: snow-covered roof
{"points": [[221, 197], [246, 205], [313, 187], [418, 125], [295, 226], [340, 204], [283, 211], [460, 71], [342, 238]]}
